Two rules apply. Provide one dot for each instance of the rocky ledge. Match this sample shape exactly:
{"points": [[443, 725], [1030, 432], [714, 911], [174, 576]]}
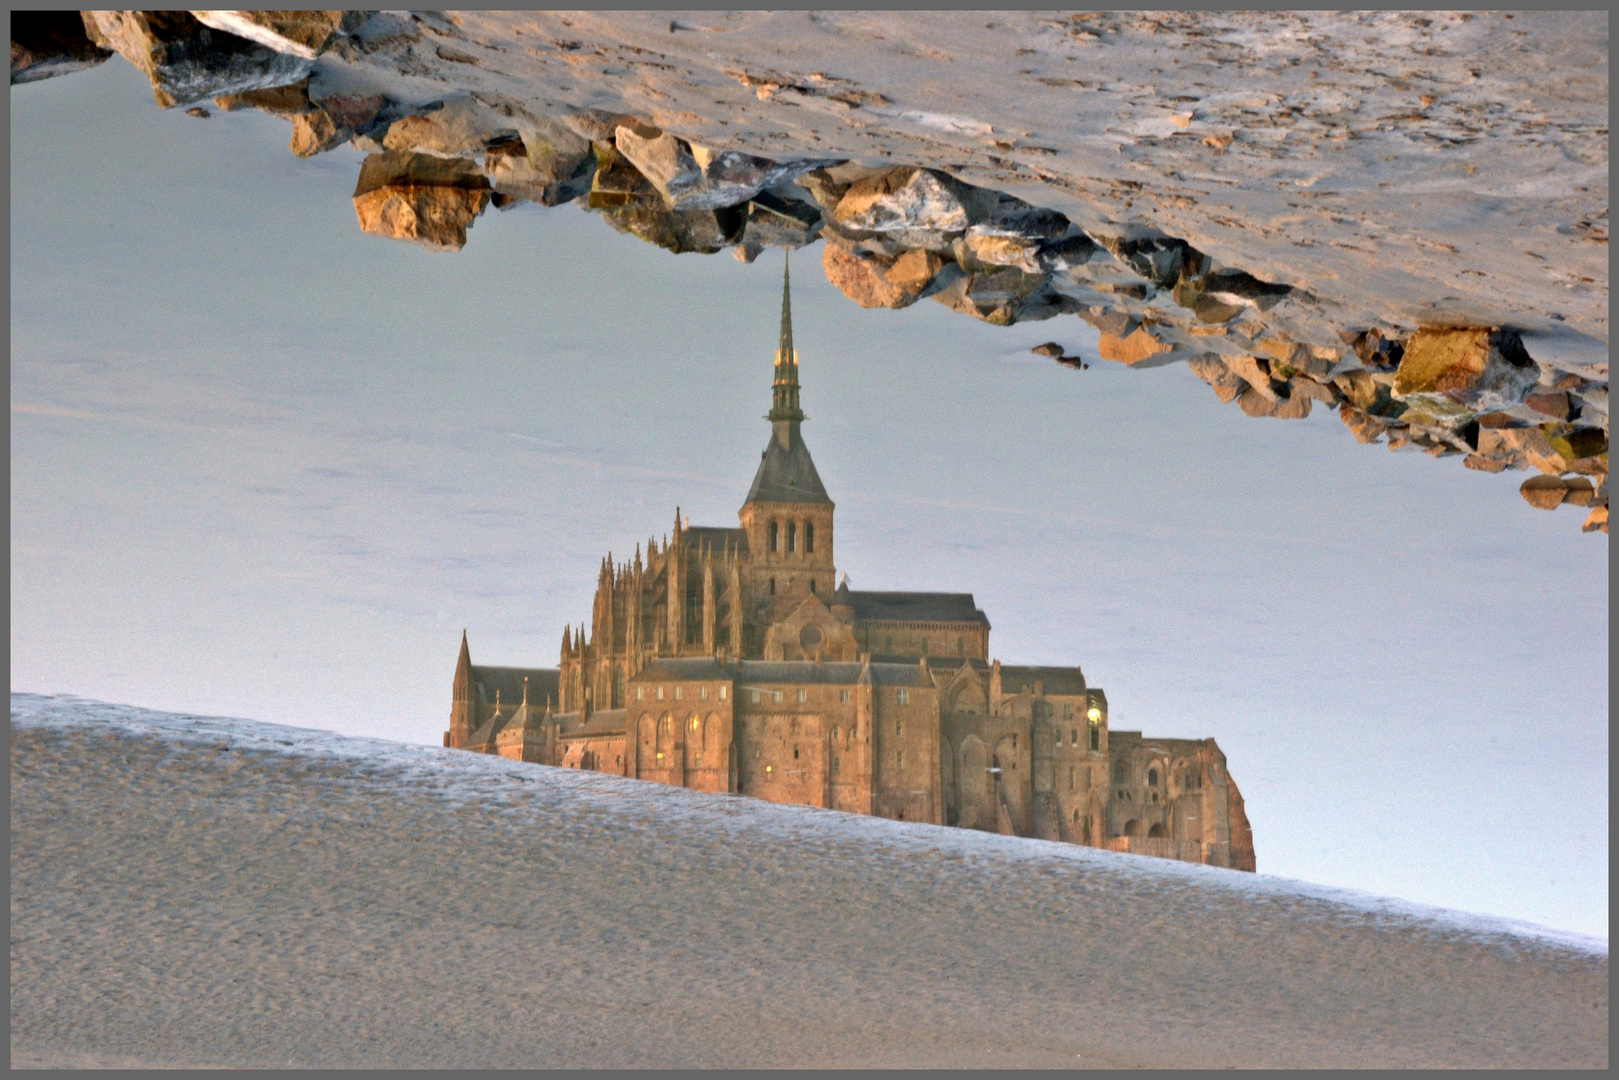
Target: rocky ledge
{"points": [[461, 111]]}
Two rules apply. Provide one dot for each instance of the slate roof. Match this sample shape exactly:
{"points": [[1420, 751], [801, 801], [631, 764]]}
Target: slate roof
{"points": [[542, 685], [716, 537], [786, 473], [1056, 680], [916, 607], [606, 722]]}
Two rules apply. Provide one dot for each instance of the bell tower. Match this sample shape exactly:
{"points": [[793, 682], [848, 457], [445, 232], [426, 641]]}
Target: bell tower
{"points": [[787, 514]]}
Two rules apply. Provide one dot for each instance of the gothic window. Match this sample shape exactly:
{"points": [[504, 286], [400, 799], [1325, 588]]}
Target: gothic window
{"points": [[640, 693], [1157, 832], [1096, 738], [1073, 778], [1152, 777], [792, 536], [668, 725], [809, 543], [618, 688], [773, 539], [722, 691], [812, 580]]}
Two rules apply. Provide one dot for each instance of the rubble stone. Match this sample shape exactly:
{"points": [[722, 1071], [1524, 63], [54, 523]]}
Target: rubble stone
{"points": [[1227, 384], [49, 43], [1453, 374], [422, 198], [186, 61], [304, 34]]}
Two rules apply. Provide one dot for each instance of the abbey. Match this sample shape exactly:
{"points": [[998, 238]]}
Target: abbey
{"points": [[733, 660]]}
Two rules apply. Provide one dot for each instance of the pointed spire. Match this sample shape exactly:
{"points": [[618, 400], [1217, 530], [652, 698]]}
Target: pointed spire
{"points": [[462, 690], [525, 691], [784, 395]]}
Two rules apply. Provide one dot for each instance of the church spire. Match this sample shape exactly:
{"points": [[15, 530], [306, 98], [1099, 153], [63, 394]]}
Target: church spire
{"points": [[784, 396]]}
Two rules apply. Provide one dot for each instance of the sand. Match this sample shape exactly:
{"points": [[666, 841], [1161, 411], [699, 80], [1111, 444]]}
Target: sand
{"points": [[204, 892]]}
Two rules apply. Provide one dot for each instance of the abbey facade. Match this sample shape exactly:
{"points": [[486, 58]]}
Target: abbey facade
{"points": [[732, 660]]}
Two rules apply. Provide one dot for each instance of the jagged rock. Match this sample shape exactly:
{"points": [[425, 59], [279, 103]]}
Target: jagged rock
{"points": [[1161, 260], [461, 127], [1520, 447], [1453, 374], [872, 283], [304, 34], [1483, 464], [422, 198], [1315, 362], [1553, 404], [316, 126], [1256, 372], [1577, 444], [779, 221], [283, 101], [827, 185], [617, 183], [679, 231], [1374, 350], [698, 178], [1593, 403], [1597, 521], [187, 61], [596, 125], [1000, 297], [1066, 253], [1227, 384], [1368, 394], [49, 43], [549, 166], [904, 199], [981, 250], [746, 253], [1050, 348], [1303, 386], [1110, 320], [1140, 345]]}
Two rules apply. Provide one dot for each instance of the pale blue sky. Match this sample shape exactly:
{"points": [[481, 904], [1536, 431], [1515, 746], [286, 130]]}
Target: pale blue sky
{"points": [[264, 465]]}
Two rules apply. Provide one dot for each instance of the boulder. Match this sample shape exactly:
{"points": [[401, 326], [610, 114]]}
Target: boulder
{"points": [[1483, 464], [1543, 492], [904, 199], [1159, 259], [1050, 348], [1453, 374], [1001, 297], [460, 127], [1227, 384], [1254, 403], [873, 283], [616, 183], [986, 250], [1521, 447], [1256, 372], [304, 34], [422, 198], [781, 221], [679, 231], [187, 61], [1368, 394], [1110, 320], [317, 126], [49, 43], [700, 178], [1294, 356], [549, 167], [1377, 352], [1066, 253], [1300, 386], [1552, 404], [1596, 521], [1138, 346]]}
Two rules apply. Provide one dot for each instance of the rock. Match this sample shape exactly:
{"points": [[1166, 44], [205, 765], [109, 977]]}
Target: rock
{"points": [[596, 125], [1377, 352], [1597, 521], [1301, 386], [1066, 253], [422, 198], [1543, 492], [679, 231], [746, 253], [1317, 363], [1578, 443], [316, 126], [281, 101], [871, 283], [1140, 345], [199, 112], [1593, 399], [548, 167], [617, 183], [780, 221], [904, 199], [1161, 260], [187, 61], [304, 34], [1227, 384], [1453, 374], [982, 250], [1553, 404], [1256, 372], [697, 177], [1255, 404], [826, 186], [1050, 348], [1000, 297], [461, 127], [1110, 320], [1368, 394], [1578, 491], [45, 44], [1483, 464]]}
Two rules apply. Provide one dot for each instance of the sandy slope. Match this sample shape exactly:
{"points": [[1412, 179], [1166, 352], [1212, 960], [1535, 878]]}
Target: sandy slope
{"points": [[216, 892]]}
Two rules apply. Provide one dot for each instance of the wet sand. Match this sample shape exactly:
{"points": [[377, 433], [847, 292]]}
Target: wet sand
{"points": [[198, 892]]}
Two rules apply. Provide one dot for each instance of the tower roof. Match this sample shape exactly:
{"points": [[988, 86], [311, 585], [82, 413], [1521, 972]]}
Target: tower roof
{"points": [[786, 472]]}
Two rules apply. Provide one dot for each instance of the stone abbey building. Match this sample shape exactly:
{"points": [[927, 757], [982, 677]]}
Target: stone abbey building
{"points": [[731, 660]]}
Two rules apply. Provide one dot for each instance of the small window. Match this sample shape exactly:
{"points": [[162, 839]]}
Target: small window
{"points": [[640, 693], [924, 646], [775, 696], [899, 757], [677, 693], [695, 723], [812, 586], [702, 693], [843, 697], [660, 693], [754, 696], [722, 691], [904, 696], [792, 536], [961, 647], [660, 757], [795, 753], [1096, 738], [1067, 712], [809, 541], [1152, 777], [803, 696], [772, 586], [1073, 778], [773, 538]]}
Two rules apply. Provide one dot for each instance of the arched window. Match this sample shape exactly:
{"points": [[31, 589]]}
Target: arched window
{"points": [[1073, 782], [812, 580], [809, 537], [1132, 827], [774, 533], [792, 536], [772, 580], [1096, 738], [961, 647], [1157, 832]]}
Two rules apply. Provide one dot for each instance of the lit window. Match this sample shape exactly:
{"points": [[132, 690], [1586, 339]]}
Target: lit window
{"points": [[803, 696], [1094, 715], [677, 693], [769, 769], [722, 691], [843, 697], [904, 696], [694, 723], [755, 696], [775, 696], [640, 693], [702, 693], [660, 757], [660, 693]]}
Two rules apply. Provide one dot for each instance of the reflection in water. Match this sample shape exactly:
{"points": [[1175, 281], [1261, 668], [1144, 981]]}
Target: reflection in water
{"points": [[893, 234]]}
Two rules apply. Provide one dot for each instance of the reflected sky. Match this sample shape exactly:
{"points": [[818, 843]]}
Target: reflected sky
{"points": [[264, 465]]}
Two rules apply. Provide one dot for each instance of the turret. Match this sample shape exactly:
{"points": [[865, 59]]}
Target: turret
{"points": [[463, 710]]}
